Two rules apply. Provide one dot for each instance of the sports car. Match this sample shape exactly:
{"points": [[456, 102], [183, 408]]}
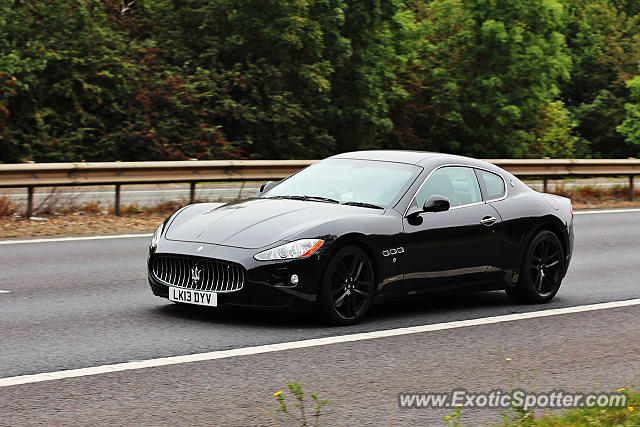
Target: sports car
{"points": [[364, 227]]}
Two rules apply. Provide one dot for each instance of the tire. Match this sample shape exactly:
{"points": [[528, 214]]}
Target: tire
{"points": [[347, 287], [541, 271]]}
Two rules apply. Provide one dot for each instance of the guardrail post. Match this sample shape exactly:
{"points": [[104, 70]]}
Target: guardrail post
{"points": [[545, 182], [631, 189], [192, 192], [116, 205], [29, 212]]}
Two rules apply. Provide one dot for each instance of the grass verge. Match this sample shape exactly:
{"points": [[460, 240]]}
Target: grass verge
{"points": [[90, 219], [629, 416]]}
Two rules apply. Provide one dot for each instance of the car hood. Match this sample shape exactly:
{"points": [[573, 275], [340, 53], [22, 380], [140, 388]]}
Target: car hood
{"points": [[255, 223]]}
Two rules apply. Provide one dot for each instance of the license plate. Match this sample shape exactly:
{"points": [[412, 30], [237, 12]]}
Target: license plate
{"points": [[191, 296]]}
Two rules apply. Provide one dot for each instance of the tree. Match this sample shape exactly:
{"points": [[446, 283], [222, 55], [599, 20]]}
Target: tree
{"points": [[269, 64], [630, 127], [63, 81], [554, 133], [605, 46], [364, 83], [488, 70], [178, 79], [296, 78]]}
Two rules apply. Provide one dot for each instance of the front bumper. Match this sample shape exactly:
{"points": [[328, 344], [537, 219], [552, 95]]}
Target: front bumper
{"points": [[266, 283]]}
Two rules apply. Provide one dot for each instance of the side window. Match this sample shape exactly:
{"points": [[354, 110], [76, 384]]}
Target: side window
{"points": [[494, 185], [456, 183]]}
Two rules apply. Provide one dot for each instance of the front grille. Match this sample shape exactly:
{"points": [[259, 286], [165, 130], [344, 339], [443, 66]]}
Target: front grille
{"points": [[198, 274]]}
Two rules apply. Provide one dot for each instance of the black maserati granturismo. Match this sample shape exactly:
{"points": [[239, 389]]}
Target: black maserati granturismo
{"points": [[358, 228]]}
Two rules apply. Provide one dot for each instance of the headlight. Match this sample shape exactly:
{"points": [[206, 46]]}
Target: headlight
{"points": [[298, 249], [156, 236]]}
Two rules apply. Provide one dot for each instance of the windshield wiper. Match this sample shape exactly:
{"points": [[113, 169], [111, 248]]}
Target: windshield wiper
{"points": [[363, 205], [286, 197], [305, 198], [327, 200], [321, 199]]}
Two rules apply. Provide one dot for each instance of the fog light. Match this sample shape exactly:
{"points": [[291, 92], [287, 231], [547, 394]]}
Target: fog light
{"points": [[294, 279]]}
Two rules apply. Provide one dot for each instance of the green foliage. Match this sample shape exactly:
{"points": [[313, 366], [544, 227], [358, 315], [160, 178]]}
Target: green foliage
{"points": [[604, 40], [62, 79], [304, 418], [78, 87], [487, 71], [623, 417], [453, 420], [364, 83], [554, 136], [177, 79], [630, 127], [269, 61]]}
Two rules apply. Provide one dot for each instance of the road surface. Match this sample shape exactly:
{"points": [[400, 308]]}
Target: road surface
{"points": [[85, 303]]}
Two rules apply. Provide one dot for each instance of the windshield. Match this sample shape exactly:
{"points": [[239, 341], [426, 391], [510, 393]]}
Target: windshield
{"points": [[370, 182]]}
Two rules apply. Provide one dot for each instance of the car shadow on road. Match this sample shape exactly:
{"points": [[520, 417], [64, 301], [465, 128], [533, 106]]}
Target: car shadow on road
{"points": [[412, 310], [449, 303], [239, 316]]}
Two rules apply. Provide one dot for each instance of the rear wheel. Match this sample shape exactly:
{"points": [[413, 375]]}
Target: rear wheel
{"points": [[541, 271], [347, 287]]}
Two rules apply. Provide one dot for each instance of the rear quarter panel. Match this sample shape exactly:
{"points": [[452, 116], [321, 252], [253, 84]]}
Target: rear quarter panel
{"points": [[523, 215]]}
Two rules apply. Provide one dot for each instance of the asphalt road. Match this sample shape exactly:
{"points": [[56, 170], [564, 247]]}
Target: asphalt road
{"points": [[86, 303]]}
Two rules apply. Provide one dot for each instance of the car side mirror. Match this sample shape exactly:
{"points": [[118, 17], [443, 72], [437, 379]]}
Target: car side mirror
{"points": [[266, 187], [436, 203]]}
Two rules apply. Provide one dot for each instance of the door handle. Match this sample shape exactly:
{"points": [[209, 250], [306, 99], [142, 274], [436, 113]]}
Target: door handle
{"points": [[488, 221]]}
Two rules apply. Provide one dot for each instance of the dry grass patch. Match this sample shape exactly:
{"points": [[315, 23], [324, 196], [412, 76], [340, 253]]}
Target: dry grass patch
{"points": [[90, 220]]}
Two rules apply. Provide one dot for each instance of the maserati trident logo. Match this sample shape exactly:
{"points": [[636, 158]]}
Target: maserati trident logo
{"points": [[195, 275]]}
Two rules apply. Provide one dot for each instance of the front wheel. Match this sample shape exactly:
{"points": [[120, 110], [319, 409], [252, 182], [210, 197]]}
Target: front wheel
{"points": [[347, 287], [541, 271]]}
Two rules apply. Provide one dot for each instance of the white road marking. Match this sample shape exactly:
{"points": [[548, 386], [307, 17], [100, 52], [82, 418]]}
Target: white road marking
{"points": [[315, 342], [4, 292], [605, 211], [73, 239]]}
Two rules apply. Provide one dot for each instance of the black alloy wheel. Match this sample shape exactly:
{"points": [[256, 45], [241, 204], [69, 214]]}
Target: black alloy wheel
{"points": [[542, 270], [347, 287]]}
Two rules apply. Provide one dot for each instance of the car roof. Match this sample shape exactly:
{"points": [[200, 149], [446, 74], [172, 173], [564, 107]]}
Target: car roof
{"points": [[401, 156]]}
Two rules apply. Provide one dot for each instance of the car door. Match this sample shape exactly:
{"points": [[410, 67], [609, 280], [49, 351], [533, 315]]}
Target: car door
{"points": [[452, 247], [494, 192]]}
